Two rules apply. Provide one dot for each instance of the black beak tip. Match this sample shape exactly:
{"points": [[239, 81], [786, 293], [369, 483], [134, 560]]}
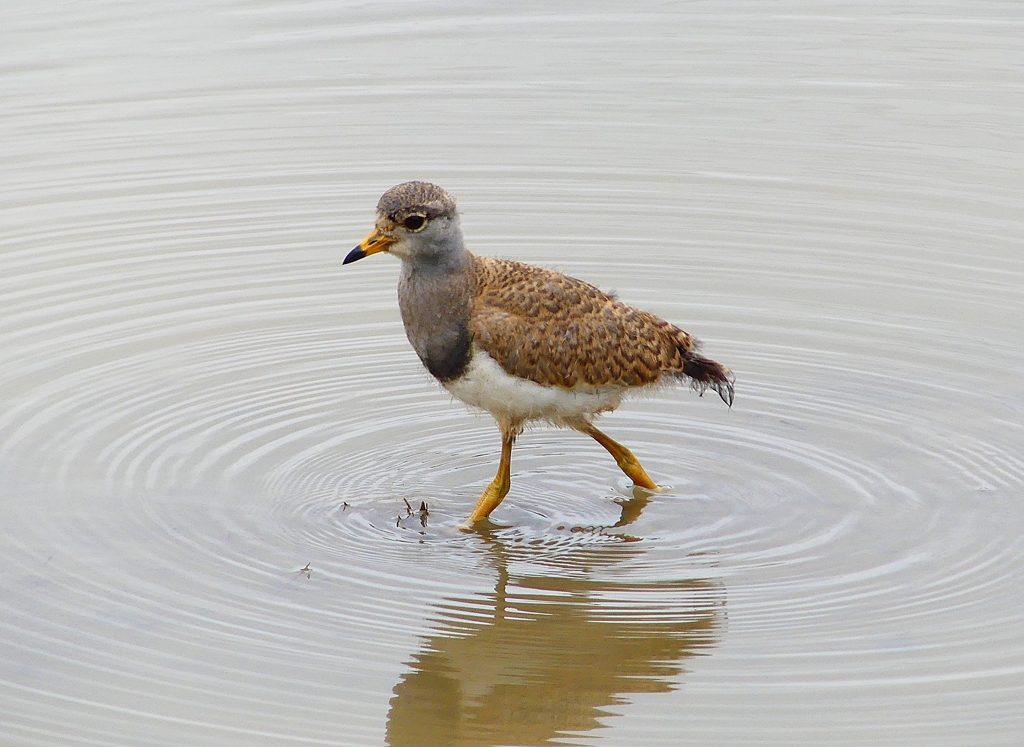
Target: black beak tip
{"points": [[353, 255]]}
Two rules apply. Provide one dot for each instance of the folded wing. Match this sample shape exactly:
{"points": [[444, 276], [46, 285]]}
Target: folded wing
{"points": [[558, 331]]}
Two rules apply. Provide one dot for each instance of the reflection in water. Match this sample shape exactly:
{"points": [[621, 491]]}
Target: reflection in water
{"points": [[542, 656]]}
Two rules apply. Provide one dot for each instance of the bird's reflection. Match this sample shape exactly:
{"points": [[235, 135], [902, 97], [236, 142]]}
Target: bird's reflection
{"points": [[544, 655]]}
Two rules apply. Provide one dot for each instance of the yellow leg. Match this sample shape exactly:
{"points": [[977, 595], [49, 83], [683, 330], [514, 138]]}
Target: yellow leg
{"points": [[623, 457], [499, 486]]}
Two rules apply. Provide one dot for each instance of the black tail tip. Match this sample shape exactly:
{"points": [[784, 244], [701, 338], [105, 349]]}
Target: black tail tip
{"points": [[705, 374]]}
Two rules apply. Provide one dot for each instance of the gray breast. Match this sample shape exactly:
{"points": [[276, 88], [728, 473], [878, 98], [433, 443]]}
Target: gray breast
{"points": [[435, 308]]}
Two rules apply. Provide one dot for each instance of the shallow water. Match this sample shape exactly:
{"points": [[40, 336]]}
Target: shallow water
{"points": [[210, 429]]}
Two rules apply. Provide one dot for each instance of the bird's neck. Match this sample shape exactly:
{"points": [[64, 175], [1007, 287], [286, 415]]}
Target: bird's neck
{"points": [[436, 298]]}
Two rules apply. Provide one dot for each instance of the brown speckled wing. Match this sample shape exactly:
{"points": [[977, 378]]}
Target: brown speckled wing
{"points": [[556, 330]]}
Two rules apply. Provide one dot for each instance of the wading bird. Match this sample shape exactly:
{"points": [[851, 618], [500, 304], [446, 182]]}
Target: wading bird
{"points": [[521, 342]]}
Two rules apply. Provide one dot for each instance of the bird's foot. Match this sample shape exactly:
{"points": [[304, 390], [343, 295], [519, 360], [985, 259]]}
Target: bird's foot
{"points": [[490, 498], [635, 471]]}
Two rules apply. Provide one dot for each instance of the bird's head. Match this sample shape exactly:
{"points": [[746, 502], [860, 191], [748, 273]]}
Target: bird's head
{"points": [[416, 221]]}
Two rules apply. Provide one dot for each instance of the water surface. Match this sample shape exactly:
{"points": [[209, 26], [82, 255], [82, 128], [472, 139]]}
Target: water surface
{"points": [[210, 430]]}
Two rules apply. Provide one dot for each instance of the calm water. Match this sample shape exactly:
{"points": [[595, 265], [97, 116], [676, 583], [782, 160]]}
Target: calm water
{"points": [[197, 400]]}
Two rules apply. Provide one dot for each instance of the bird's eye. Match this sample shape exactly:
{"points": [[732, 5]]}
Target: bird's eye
{"points": [[414, 222]]}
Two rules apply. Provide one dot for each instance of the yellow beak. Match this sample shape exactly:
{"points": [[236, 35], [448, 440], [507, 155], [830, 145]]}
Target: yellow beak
{"points": [[377, 241]]}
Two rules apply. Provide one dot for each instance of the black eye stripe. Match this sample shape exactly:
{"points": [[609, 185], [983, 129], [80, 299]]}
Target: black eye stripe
{"points": [[414, 222]]}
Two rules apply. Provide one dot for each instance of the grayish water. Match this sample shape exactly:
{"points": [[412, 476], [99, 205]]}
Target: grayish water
{"points": [[197, 400]]}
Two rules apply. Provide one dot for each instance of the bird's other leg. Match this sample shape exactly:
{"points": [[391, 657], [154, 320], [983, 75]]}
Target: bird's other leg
{"points": [[498, 489], [623, 457]]}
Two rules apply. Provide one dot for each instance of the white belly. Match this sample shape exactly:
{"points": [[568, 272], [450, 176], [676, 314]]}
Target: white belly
{"points": [[513, 401]]}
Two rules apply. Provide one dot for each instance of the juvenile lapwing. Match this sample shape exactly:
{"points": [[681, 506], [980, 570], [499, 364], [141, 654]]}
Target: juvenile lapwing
{"points": [[521, 342]]}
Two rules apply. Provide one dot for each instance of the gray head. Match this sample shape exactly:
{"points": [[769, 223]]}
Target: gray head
{"points": [[417, 222]]}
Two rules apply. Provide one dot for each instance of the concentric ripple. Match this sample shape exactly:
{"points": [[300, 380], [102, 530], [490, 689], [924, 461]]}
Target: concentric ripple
{"points": [[231, 493]]}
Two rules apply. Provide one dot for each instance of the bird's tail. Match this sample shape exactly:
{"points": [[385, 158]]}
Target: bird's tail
{"points": [[705, 374]]}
